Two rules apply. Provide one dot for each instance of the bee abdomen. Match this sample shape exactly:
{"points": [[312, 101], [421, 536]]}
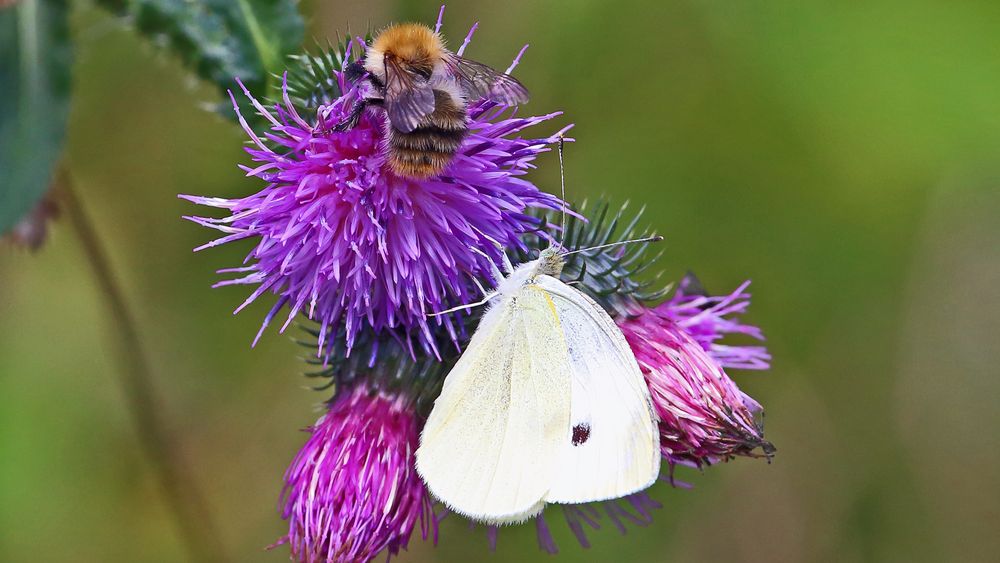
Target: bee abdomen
{"points": [[418, 164], [423, 152], [429, 138], [429, 148]]}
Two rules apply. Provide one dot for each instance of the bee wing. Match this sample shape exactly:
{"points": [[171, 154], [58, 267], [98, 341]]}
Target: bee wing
{"points": [[480, 81], [408, 97]]}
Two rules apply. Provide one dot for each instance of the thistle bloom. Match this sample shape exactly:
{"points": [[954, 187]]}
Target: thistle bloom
{"points": [[354, 246], [704, 417], [709, 318], [353, 491]]}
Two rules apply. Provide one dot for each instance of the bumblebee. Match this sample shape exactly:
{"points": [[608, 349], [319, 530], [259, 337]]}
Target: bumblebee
{"points": [[424, 90]]}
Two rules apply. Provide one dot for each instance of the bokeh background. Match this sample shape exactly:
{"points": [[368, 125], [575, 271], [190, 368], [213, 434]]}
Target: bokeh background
{"points": [[843, 155]]}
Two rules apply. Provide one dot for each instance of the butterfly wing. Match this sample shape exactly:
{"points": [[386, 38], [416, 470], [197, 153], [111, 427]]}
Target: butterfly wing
{"points": [[489, 448], [613, 446]]}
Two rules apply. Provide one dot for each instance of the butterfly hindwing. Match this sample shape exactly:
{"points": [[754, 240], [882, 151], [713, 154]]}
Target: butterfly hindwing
{"points": [[611, 449]]}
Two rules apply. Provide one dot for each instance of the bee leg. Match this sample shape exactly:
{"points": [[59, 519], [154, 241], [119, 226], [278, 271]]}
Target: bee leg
{"points": [[355, 71], [351, 121]]}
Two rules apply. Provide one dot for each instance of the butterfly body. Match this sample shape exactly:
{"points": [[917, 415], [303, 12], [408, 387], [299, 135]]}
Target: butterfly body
{"points": [[546, 405]]}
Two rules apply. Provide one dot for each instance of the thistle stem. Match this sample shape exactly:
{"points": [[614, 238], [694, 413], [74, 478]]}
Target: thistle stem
{"points": [[183, 498]]}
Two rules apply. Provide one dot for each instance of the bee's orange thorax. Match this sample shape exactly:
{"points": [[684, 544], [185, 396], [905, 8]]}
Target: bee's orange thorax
{"points": [[411, 42]]}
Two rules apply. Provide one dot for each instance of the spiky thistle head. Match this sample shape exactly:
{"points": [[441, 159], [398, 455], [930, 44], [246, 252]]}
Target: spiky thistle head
{"points": [[313, 76], [352, 491], [704, 416]]}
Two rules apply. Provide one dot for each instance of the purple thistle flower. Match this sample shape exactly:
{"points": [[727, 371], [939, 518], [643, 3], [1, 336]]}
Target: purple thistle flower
{"points": [[704, 417], [709, 318], [353, 490], [345, 240]]}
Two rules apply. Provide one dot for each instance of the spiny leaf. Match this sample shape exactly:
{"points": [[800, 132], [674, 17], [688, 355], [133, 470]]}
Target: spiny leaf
{"points": [[35, 59], [222, 39]]}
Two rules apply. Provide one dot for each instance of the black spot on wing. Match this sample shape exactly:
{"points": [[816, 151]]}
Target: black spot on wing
{"points": [[581, 433]]}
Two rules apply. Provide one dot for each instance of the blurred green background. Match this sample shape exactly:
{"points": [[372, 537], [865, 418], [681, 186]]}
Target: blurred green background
{"points": [[843, 155]]}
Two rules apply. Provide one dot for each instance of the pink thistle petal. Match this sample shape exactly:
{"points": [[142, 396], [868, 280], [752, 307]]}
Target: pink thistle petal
{"points": [[709, 318]]}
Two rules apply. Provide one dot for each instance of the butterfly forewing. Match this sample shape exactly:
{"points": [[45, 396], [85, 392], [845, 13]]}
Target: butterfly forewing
{"points": [[490, 445], [611, 448]]}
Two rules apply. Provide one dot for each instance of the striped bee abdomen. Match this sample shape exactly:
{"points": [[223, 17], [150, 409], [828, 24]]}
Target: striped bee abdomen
{"points": [[429, 148]]}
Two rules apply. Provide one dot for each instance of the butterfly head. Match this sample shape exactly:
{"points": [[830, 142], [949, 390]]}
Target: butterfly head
{"points": [[550, 262]]}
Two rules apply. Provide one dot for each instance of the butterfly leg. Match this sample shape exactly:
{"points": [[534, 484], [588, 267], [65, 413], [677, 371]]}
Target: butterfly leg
{"points": [[494, 271], [506, 263], [480, 286], [484, 301]]}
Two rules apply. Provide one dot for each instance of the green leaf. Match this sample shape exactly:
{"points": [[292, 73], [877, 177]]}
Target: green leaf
{"points": [[222, 39], [35, 56]]}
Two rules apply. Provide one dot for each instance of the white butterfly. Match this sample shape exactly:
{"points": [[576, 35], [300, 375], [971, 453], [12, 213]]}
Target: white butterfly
{"points": [[547, 404]]}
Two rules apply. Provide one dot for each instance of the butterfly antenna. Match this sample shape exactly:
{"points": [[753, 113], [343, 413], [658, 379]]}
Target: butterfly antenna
{"points": [[562, 187], [654, 238]]}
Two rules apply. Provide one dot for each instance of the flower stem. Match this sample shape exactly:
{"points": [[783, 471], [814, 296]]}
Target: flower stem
{"points": [[183, 498]]}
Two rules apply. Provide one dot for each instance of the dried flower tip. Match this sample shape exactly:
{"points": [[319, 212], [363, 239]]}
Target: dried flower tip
{"points": [[32, 230]]}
